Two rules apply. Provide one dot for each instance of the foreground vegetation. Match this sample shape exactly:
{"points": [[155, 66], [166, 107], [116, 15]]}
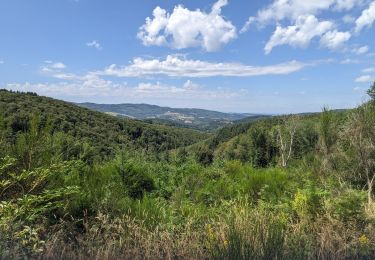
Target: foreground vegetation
{"points": [[282, 188]]}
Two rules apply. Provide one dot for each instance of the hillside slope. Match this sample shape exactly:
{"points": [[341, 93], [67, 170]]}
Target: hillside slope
{"points": [[257, 141], [103, 132]]}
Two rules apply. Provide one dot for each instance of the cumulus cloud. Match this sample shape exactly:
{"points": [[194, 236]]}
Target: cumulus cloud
{"points": [[334, 39], [364, 79], [292, 9], [299, 35], [345, 5], [366, 19], [175, 66], [297, 23], [94, 44], [184, 28], [361, 50]]}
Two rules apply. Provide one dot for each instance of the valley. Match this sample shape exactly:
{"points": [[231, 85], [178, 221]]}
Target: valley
{"points": [[198, 119], [100, 185]]}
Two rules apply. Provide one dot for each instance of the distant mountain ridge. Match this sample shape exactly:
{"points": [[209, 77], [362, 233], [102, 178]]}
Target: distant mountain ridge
{"points": [[200, 119]]}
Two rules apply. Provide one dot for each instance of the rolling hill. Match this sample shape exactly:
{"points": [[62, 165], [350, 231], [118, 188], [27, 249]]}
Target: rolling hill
{"points": [[199, 119], [102, 132]]}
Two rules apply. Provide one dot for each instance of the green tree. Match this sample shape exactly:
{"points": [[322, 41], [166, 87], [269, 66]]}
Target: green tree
{"points": [[205, 155], [371, 91], [328, 134]]}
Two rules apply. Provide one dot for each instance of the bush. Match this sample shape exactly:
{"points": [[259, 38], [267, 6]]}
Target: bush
{"points": [[308, 202], [135, 179], [348, 206]]}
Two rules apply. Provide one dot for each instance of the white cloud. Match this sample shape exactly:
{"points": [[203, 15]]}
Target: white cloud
{"points": [[293, 17], [95, 44], [1, 62], [334, 39], [95, 88], [159, 88], [52, 66], [369, 70], [246, 27], [58, 65], [184, 28], [300, 34], [292, 9], [190, 85], [364, 79], [361, 50], [366, 19], [350, 61], [345, 5], [174, 66]]}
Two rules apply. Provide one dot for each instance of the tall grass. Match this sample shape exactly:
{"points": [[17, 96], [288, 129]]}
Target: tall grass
{"points": [[224, 211]]}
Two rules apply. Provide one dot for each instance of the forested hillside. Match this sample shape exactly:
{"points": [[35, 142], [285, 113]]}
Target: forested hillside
{"points": [[286, 187], [258, 141], [83, 131]]}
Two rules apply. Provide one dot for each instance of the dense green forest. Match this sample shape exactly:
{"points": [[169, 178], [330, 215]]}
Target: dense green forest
{"points": [[82, 133], [80, 184]]}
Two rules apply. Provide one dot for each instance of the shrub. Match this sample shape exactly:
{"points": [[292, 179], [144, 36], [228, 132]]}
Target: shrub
{"points": [[135, 179], [308, 202], [348, 205]]}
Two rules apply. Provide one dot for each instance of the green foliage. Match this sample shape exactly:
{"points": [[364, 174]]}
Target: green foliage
{"points": [[348, 205], [102, 134], [371, 91], [102, 187], [308, 202], [358, 151], [260, 146], [204, 155], [327, 131], [135, 179], [27, 199]]}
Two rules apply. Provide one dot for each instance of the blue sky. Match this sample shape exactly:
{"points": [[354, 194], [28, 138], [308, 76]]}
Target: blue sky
{"points": [[277, 56]]}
